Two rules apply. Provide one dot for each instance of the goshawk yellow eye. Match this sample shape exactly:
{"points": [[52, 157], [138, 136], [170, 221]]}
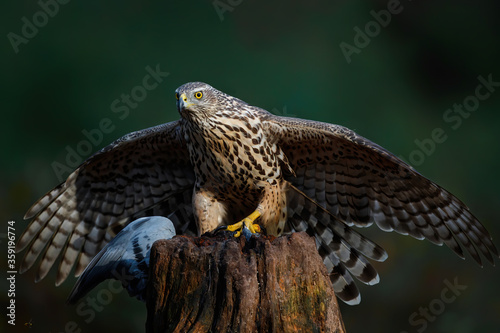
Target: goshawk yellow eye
{"points": [[198, 95], [177, 96]]}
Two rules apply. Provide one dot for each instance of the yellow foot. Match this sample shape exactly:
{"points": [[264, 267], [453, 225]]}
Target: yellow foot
{"points": [[248, 222]]}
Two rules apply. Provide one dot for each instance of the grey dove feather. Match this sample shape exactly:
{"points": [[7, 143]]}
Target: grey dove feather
{"points": [[125, 258]]}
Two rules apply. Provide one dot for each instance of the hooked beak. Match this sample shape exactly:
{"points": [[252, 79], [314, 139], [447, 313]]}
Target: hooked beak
{"points": [[183, 102]]}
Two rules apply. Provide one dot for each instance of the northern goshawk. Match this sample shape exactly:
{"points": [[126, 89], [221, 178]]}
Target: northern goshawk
{"points": [[226, 161]]}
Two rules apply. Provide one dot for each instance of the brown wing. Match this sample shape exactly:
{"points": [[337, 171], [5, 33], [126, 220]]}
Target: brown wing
{"points": [[141, 173], [361, 183]]}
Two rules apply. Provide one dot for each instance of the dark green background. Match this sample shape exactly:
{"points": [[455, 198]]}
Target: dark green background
{"points": [[285, 57]]}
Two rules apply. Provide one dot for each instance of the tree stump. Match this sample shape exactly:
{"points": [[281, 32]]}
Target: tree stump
{"points": [[223, 284]]}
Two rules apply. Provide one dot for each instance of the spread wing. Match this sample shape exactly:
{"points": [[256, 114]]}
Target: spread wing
{"points": [[143, 173], [361, 183]]}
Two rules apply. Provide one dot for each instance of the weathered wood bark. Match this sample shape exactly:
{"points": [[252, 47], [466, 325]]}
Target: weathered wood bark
{"points": [[218, 284]]}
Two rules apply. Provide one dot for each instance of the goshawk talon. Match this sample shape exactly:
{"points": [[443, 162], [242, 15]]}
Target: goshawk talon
{"points": [[248, 223]]}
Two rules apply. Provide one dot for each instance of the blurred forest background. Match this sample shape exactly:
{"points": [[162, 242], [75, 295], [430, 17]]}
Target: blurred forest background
{"points": [[284, 56]]}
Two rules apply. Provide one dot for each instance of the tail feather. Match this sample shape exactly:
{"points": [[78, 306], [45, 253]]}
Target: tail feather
{"points": [[342, 282], [344, 286], [343, 250]]}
